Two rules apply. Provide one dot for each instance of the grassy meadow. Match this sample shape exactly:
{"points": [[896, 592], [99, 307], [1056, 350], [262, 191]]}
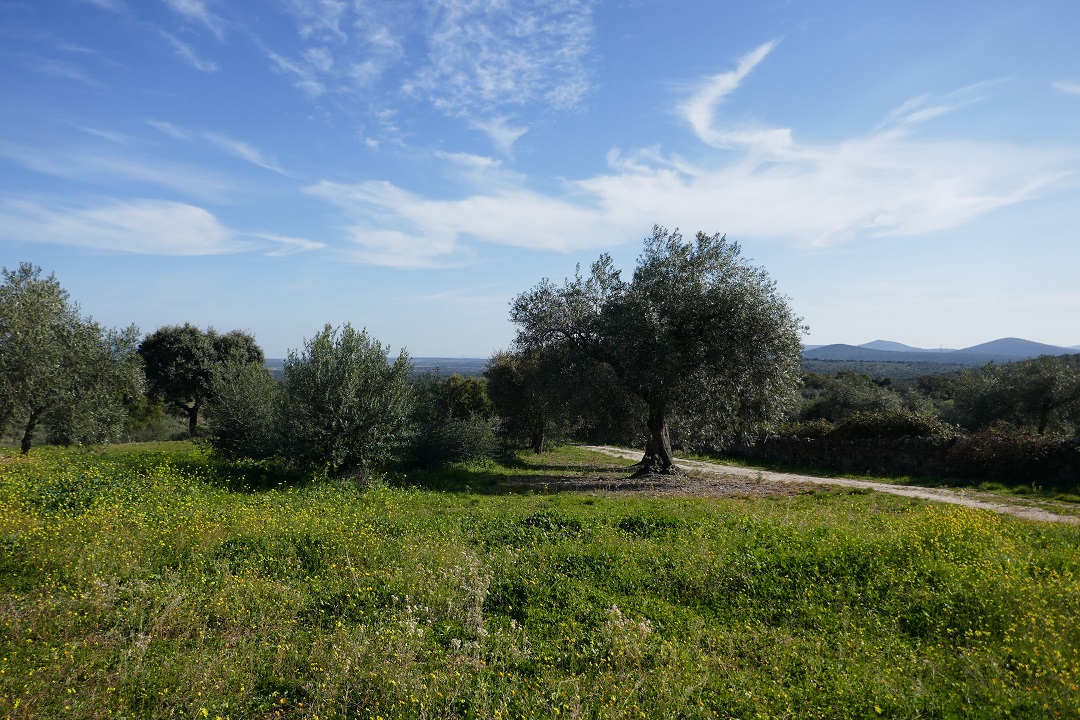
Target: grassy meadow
{"points": [[153, 581]]}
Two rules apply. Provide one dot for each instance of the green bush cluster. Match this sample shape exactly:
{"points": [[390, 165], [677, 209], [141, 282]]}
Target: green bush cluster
{"points": [[1010, 454]]}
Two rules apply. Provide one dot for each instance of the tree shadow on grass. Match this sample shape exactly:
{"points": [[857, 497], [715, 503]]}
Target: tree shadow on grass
{"points": [[510, 474]]}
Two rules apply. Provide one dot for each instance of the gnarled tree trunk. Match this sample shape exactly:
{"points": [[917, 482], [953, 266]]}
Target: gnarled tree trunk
{"points": [[658, 458], [28, 434]]}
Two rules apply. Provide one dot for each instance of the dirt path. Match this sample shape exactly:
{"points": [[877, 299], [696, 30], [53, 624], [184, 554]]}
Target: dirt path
{"points": [[982, 501]]}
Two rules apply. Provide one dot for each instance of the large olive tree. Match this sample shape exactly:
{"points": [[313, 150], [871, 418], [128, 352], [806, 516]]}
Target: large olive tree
{"points": [[58, 367], [696, 330]]}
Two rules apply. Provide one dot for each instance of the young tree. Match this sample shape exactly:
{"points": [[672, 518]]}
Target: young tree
{"points": [[57, 366], [344, 406], [180, 363], [697, 328]]}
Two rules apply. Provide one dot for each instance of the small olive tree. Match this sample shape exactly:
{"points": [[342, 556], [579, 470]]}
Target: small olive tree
{"points": [[344, 406], [243, 415]]}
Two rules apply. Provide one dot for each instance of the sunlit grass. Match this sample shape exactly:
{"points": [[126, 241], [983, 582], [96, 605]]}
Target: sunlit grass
{"points": [[158, 583]]}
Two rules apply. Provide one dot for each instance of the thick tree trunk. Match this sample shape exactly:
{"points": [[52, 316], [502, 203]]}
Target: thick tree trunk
{"points": [[658, 458], [193, 418], [538, 438], [28, 435]]}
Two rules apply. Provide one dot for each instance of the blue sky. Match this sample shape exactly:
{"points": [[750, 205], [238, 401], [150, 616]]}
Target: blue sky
{"points": [[905, 171]]}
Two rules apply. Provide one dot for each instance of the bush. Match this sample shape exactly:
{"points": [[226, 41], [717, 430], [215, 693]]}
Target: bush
{"points": [[344, 406], [1007, 453], [453, 440], [892, 424], [812, 429], [242, 418]]}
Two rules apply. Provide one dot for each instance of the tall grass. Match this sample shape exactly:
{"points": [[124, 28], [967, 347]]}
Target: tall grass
{"points": [[161, 584]]}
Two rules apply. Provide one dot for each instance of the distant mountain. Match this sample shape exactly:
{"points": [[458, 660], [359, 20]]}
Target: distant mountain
{"points": [[891, 346], [1017, 347], [1003, 350]]}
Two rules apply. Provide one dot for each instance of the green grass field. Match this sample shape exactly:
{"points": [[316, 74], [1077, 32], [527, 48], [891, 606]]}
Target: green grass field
{"points": [[154, 582]]}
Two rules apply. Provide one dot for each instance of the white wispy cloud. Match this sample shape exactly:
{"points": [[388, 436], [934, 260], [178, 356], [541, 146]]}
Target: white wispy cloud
{"points": [[113, 5], [924, 108], [486, 60], [90, 166], [888, 182], [503, 135], [304, 77], [487, 57], [113, 137], [287, 245], [700, 108], [169, 129], [64, 70], [188, 55], [197, 12], [244, 151], [319, 18], [149, 227], [1069, 87]]}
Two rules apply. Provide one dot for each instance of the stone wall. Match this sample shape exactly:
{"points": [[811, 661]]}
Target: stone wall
{"points": [[1053, 464], [880, 456]]}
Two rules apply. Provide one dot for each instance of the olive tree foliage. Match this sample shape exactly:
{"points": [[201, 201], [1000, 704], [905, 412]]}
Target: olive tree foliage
{"points": [[1042, 394], [243, 413], [530, 394], [344, 406], [180, 363], [696, 331], [58, 367]]}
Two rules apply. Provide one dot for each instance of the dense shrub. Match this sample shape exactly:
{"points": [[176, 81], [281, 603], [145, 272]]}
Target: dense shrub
{"points": [[243, 418], [886, 424], [814, 429], [344, 407], [453, 440], [1004, 452], [892, 424]]}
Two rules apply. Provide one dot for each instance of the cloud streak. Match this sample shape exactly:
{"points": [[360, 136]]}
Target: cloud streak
{"points": [[185, 53], [88, 166], [700, 108], [886, 183], [149, 227], [242, 150], [1068, 87], [197, 12]]}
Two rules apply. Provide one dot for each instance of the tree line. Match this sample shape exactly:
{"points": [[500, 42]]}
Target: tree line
{"points": [[695, 349]]}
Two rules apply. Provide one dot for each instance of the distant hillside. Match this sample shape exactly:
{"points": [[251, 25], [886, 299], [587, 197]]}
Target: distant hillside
{"points": [[1017, 347], [1003, 350], [899, 372], [889, 346]]}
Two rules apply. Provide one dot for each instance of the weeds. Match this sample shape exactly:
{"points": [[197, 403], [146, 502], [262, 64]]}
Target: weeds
{"points": [[154, 583]]}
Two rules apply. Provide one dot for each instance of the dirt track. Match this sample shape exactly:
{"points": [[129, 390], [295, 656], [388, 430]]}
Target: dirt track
{"points": [[743, 476]]}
